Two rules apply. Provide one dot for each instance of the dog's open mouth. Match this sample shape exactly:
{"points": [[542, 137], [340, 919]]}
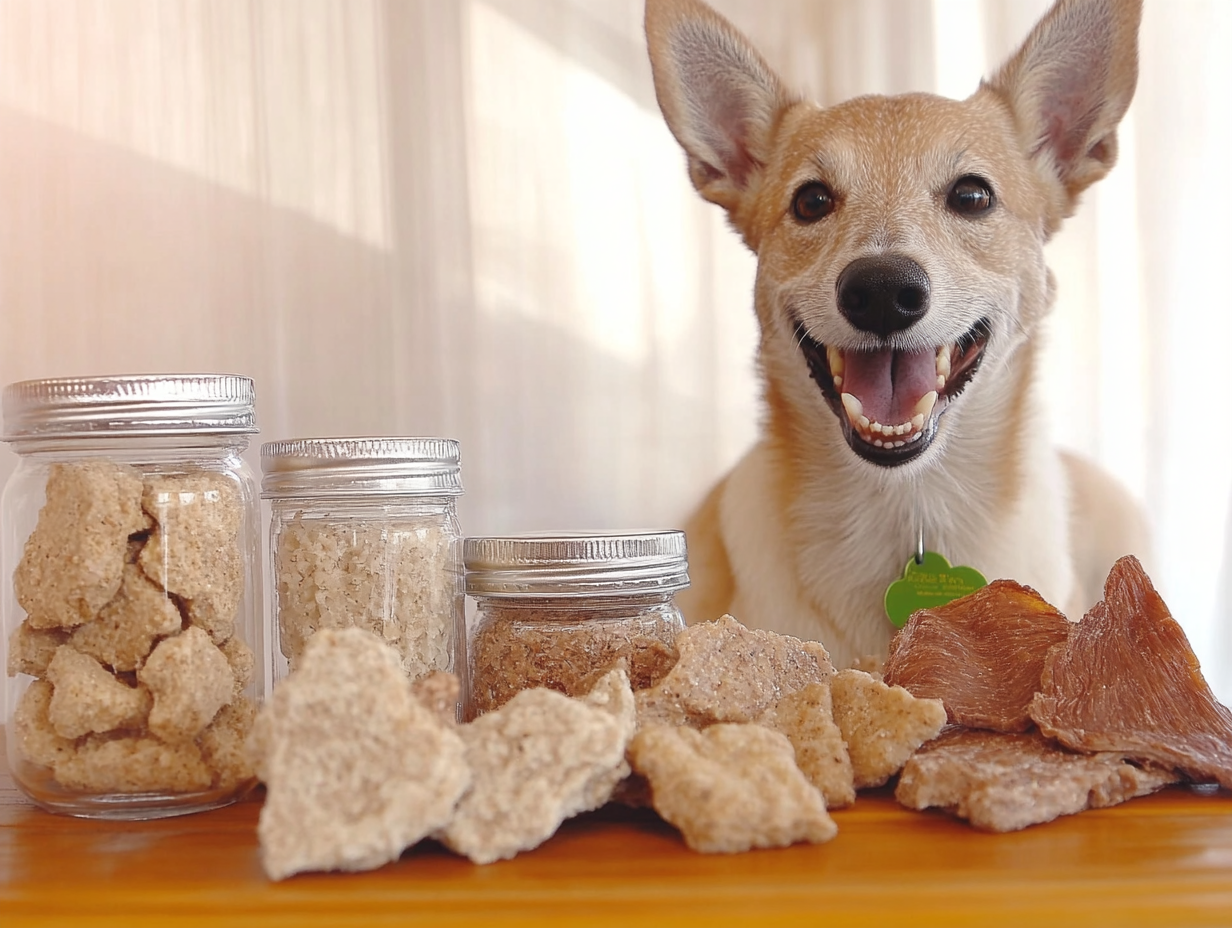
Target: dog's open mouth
{"points": [[889, 401]]}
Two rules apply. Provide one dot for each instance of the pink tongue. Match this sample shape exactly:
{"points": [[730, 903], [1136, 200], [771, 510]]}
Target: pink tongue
{"points": [[889, 383]]}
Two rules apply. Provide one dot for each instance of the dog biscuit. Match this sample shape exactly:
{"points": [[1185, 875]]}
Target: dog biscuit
{"points": [[242, 662], [356, 768], [729, 673], [86, 697], [223, 744], [72, 562], [440, 691], [133, 764], [37, 739], [882, 725], [730, 787], [541, 758], [806, 717], [126, 628], [190, 681], [31, 649]]}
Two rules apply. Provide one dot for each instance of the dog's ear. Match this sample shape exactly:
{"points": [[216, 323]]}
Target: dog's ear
{"points": [[719, 97], [1070, 84]]}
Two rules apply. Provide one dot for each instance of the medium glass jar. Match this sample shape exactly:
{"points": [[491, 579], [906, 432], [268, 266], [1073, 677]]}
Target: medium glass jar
{"points": [[560, 611], [364, 532], [131, 593]]}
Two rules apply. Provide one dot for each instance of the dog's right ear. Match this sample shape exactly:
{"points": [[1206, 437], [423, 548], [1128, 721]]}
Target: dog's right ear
{"points": [[719, 97]]}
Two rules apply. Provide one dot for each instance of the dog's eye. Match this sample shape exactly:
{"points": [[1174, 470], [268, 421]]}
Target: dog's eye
{"points": [[812, 201], [970, 196]]}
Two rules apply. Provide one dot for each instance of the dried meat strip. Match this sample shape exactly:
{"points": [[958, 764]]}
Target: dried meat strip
{"points": [[1127, 681], [1006, 781], [981, 655]]}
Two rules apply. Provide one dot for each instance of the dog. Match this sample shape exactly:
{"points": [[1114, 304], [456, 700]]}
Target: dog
{"points": [[900, 291]]}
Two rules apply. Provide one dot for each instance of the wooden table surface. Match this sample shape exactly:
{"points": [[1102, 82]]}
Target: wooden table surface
{"points": [[1162, 860]]}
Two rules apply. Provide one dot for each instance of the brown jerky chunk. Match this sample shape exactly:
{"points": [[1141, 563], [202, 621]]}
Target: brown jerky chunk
{"points": [[1127, 681], [729, 673], [31, 649], [71, 564], [981, 655], [1003, 782], [126, 629]]}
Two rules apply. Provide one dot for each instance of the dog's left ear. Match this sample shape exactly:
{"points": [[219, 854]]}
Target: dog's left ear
{"points": [[1070, 84]]}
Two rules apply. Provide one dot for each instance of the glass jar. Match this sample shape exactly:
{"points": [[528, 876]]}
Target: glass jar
{"points": [[131, 593], [560, 611], [364, 532]]}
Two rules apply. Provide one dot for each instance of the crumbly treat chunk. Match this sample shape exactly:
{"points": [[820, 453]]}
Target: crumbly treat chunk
{"points": [[241, 660], [223, 744], [37, 739], [194, 550], [1126, 680], [31, 649], [538, 760], [356, 768], [88, 698], [133, 764], [806, 717], [516, 648], [190, 680], [729, 673], [882, 725], [981, 655], [73, 560], [731, 787], [1003, 782], [398, 581], [127, 627], [441, 692]]}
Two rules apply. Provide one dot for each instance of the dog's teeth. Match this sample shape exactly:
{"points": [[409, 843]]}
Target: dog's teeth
{"points": [[855, 409], [834, 358], [899, 444], [925, 406], [878, 443], [916, 437], [943, 364], [865, 423], [838, 382], [917, 421]]}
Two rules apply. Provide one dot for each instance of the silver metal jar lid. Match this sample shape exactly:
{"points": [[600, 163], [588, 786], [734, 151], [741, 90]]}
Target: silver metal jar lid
{"points": [[173, 404], [333, 467], [576, 564]]}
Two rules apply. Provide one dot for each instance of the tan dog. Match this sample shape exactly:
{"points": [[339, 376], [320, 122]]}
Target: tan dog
{"points": [[900, 291]]}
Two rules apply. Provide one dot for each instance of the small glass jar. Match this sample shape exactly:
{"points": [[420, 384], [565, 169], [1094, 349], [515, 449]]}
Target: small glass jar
{"points": [[560, 611], [131, 593], [364, 532]]}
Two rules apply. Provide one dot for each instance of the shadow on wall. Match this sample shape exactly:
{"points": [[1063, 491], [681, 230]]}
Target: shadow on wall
{"points": [[112, 262]]}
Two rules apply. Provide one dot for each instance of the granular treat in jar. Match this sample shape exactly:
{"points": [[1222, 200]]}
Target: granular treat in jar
{"points": [[566, 650], [397, 581]]}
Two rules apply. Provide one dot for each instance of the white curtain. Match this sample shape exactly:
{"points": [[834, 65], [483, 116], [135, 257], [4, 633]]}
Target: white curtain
{"points": [[466, 218]]}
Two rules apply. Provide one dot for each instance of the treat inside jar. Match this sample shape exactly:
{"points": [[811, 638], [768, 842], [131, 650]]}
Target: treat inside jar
{"points": [[130, 586]]}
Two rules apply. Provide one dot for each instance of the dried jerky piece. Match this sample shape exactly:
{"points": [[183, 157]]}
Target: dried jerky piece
{"points": [[882, 725], [37, 739], [1003, 782], [127, 627], [981, 655], [1127, 681], [72, 562], [190, 680], [731, 787], [240, 657], [194, 550], [806, 717], [356, 767], [729, 673], [88, 698], [441, 692], [223, 744], [31, 649], [541, 758], [133, 764]]}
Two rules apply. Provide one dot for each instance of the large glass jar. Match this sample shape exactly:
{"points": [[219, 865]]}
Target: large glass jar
{"points": [[364, 532], [559, 611], [131, 593]]}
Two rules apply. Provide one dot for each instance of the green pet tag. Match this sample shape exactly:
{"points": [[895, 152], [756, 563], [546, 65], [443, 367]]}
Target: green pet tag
{"points": [[927, 585]]}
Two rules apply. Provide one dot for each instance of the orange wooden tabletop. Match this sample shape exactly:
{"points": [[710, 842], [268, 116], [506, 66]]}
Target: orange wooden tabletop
{"points": [[1162, 860]]}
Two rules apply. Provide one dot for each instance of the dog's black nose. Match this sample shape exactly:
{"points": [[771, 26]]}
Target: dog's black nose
{"points": [[883, 294]]}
